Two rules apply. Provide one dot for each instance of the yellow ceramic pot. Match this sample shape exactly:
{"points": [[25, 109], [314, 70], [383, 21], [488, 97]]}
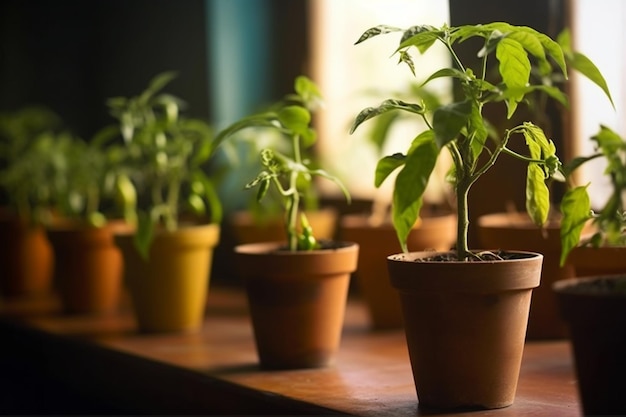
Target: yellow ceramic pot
{"points": [[168, 290]]}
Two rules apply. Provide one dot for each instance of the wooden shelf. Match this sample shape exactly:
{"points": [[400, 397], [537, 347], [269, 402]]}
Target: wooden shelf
{"points": [[59, 363]]}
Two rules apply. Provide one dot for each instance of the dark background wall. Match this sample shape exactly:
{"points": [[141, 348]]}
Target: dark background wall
{"points": [[71, 55]]}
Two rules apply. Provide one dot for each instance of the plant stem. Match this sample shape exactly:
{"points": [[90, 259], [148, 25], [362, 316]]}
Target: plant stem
{"points": [[294, 203], [462, 246]]}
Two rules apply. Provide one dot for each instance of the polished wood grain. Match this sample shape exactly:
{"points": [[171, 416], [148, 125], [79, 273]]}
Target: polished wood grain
{"points": [[215, 371]]}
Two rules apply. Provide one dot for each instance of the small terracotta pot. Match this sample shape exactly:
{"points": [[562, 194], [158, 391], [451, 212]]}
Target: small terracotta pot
{"points": [[375, 244], [88, 267], [248, 230], [515, 231], [465, 325], [589, 261], [597, 319], [26, 258], [297, 301], [169, 289]]}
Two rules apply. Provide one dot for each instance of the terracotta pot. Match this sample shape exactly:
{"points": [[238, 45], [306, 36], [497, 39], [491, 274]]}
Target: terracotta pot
{"points": [[88, 267], [248, 230], [297, 301], [515, 231], [597, 319], [26, 258], [168, 291], [375, 244], [588, 261], [465, 325]]}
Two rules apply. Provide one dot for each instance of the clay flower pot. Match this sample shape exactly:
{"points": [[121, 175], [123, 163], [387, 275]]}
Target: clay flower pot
{"points": [[26, 258], [248, 230], [376, 242], [465, 325], [515, 231], [297, 301], [88, 267], [168, 291]]}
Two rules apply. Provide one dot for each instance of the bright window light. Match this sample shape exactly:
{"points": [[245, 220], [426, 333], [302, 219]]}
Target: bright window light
{"points": [[352, 77], [600, 33]]}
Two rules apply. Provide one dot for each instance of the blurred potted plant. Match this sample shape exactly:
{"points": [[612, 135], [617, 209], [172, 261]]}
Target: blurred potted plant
{"points": [[296, 289], [435, 228], [515, 230], [262, 221], [165, 192], [26, 137], [594, 303], [88, 264], [466, 311]]}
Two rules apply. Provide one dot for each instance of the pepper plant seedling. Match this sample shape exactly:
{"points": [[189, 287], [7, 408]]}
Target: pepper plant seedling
{"points": [[290, 175], [461, 128]]}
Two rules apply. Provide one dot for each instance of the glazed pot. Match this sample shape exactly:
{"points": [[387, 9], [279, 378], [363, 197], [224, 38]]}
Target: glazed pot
{"points": [[376, 242], [465, 325], [297, 301], [168, 290]]}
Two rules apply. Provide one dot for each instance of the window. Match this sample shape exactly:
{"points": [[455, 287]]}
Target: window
{"points": [[354, 77], [599, 31]]}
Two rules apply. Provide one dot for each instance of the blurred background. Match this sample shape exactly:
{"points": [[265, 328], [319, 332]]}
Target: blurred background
{"points": [[233, 56]]}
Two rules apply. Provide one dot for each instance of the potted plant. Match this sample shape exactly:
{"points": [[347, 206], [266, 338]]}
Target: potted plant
{"points": [[593, 304], [435, 228], [164, 191], [513, 229], [297, 288], [262, 221], [466, 311], [88, 264], [26, 137]]}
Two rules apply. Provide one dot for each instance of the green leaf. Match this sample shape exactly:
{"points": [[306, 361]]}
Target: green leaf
{"points": [[375, 31], [296, 119], [514, 69], [144, 234], [576, 211], [422, 37], [449, 120], [447, 72], [386, 106], [308, 91], [587, 68], [537, 195], [411, 183], [386, 166]]}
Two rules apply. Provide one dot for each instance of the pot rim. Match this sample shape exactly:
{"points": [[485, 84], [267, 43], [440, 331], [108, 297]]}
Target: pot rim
{"points": [[460, 276]]}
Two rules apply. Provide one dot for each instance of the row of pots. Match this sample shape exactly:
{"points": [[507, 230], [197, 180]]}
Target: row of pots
{"points": [[265, 298]]}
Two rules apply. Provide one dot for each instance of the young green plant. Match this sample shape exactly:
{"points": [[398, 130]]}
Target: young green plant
{"points": [[162, 171], [610, 219], [460, 126], [290, 175]]}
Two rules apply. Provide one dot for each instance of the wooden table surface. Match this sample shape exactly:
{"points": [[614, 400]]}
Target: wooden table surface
{"points": [[215, 371]]}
